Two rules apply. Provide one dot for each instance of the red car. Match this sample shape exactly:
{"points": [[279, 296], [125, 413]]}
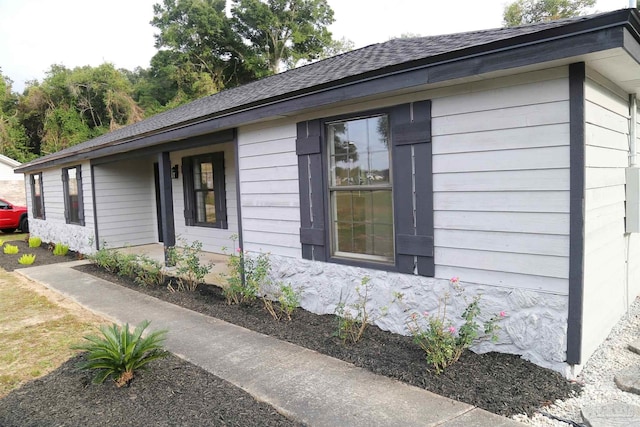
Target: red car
{"points": [[13, 217]]}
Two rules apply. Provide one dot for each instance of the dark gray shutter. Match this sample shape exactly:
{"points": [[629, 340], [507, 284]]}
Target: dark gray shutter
{"points": [[217, 160], [65, 194], [312, 188], [42, 212], [80, 195], [187, 180], [413, 187]]}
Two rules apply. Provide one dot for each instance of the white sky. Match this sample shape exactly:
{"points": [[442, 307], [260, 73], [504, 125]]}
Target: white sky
{"points": [[37, 33]]}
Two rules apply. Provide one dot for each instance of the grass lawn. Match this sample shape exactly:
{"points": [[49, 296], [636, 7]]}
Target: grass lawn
{"points": [[37, 327], [13, 236]]}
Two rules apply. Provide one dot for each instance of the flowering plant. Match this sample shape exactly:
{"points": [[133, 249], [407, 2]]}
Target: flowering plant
{"points": [[442, 343]]}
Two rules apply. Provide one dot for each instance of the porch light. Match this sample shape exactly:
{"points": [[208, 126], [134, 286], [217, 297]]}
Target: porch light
{"points": [[175, 172]]}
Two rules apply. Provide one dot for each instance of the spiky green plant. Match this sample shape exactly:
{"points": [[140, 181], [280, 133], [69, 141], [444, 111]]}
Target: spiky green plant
{"points": [[27, 259], [35, 242], [11, 249], [118, 353], [60, 249]]}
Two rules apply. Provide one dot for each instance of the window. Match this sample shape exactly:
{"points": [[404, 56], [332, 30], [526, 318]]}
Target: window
{"points": [[366, 189], [37, 196], [360, 189], [204, 190], [72, 188]]}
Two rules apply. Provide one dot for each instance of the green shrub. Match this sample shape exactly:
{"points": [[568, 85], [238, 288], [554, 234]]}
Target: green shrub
{"points": [[35, 242], [288, 300], [441, 341], [11, 249], [246, 276], [60, 249], [149, 272], [105, 258], [188, 267], [118, 353], [27, 259]]}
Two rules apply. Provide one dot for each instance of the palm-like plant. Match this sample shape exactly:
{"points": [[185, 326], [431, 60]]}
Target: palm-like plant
{"points": [[118, 352]]}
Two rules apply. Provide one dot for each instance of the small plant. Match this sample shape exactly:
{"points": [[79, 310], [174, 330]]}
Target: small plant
{"points": [[188, 267], [442, 343], [288, 300], [60, 249], [35, 242], [246, 276], [351, 326], [27, 259], [118, 353], [149, 272], [106, 258], [11, 249]]}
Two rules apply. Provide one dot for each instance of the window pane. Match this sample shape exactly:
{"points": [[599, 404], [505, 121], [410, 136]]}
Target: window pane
{"points": [[363, 222], [205, 207], [359, 152], [73, 204], [203, 175], [73, 182]]}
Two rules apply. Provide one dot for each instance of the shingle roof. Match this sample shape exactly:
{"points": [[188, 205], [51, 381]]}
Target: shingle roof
{"points": [[351, 65]]}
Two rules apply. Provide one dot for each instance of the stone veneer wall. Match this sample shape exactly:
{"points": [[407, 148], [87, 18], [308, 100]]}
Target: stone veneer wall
{"points": [[78, 238], [535, 326], [13, 191]]}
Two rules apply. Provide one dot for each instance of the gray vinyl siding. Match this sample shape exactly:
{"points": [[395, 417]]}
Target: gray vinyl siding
{"points": [[212, 239], [606, 157], [54, 228], [125, 203], [269, 187], [501, 184], [501, 180], [634, 248]]}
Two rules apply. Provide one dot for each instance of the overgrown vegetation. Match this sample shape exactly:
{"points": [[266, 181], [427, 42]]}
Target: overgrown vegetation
{"points": [[144, 270], [118, 352]]}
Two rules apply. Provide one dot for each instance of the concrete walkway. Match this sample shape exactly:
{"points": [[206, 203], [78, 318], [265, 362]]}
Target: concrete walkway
{"points": [[304, 385]]}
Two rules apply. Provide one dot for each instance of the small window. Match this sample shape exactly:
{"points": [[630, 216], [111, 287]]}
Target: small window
{"points": [[37, 196], [205, 199], [360, 189], [72, 187]]}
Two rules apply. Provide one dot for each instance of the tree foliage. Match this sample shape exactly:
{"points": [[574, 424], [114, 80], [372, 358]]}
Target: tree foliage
{"points": [[201, 50], [522, 12]]}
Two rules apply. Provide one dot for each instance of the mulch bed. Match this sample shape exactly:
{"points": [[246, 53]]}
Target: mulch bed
{"points": [[500, 383], [44, 255], [171, 393]]}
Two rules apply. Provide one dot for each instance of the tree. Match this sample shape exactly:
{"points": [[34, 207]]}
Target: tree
{"points": [[523, 12], [13, 136], [281, 33]]}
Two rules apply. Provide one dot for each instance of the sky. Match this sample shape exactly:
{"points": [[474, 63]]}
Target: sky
{"points": [[34, 34]]}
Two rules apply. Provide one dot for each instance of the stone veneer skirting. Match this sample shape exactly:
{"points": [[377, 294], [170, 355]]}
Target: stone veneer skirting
{"points": [[77, 237], [535, 326]]}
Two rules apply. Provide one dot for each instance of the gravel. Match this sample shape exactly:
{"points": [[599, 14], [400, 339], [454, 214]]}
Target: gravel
{"points": [[597, 376]]}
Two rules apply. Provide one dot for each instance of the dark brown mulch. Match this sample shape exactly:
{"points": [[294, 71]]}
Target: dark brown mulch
{"points": [[171, 393], [501, 383]]}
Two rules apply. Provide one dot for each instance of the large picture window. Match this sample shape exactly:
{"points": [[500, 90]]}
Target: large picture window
{"points": [[37, 196], [360, 189], [72, 187], [205, 199]]}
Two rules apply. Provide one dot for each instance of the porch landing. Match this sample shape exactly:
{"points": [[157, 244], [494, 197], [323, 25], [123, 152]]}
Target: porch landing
{"points": [[155, 251]]}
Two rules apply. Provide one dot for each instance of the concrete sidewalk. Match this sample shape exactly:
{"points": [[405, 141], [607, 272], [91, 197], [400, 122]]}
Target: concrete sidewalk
{"points": [[304, 385]]}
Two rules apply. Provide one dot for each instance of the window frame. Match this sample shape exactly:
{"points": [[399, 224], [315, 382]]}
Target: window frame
{"points": [[350, 257], [37, 213], [67, 195], [220, 199], [411, 171]]}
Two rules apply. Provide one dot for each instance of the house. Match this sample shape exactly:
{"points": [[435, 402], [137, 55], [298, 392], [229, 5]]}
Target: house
{"points": [[11, 183], [506, 157]]}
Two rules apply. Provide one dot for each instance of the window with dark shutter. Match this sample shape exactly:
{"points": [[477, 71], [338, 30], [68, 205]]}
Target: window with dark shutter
{"points": [[366, 189], [73, 200], [204, 190], [37, 196]]}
